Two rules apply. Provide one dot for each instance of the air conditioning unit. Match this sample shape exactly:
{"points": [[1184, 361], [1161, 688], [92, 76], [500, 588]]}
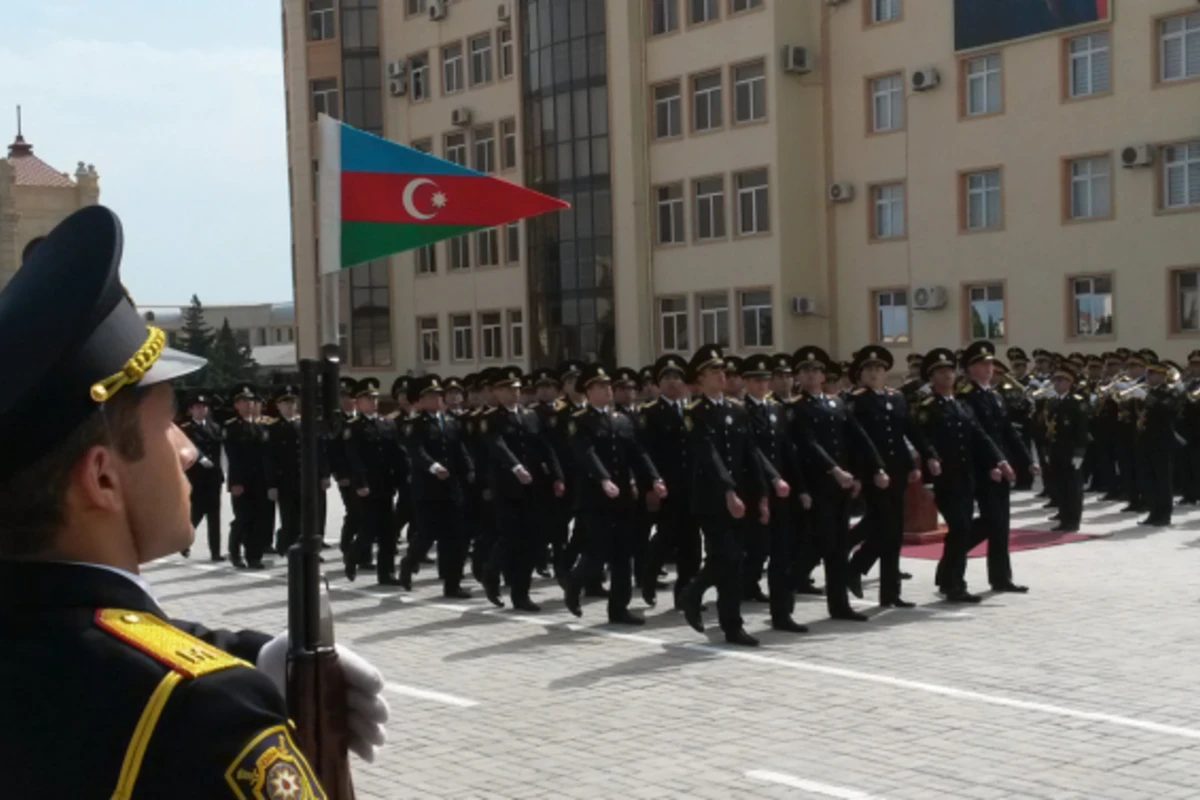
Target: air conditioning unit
{"points": [[460, 117], [797, 59], [1137, 155], [397, 68], [398, 87], [437, 10], [925, 78], [804, 306], [841, 192], [504, 12], [929, 297]]}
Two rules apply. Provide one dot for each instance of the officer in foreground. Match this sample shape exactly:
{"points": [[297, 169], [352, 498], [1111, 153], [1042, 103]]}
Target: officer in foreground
{"points": [[104, 696]]}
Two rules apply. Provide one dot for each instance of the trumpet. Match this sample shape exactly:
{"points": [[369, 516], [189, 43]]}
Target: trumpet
{"points": [[1042, 393]]}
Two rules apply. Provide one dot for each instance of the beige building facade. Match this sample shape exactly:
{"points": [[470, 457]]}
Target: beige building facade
{"points": [[34, 197], [768, 174]]}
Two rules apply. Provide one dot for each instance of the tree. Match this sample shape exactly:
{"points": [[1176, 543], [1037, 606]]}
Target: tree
{"points": [[228, 361], [195, 337]]}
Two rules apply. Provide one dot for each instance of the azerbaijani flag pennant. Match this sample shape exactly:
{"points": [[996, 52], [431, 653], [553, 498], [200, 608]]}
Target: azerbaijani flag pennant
{"points": [[377, 197]]}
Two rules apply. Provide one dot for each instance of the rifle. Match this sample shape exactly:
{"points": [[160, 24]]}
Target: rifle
{"points": [[316, 688]]}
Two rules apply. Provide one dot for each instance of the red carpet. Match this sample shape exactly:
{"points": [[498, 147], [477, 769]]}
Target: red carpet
{"points": [[1018, 540]]}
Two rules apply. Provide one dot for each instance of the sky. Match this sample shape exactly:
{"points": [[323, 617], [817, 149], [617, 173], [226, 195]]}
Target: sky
{"points": [[179, 104]]}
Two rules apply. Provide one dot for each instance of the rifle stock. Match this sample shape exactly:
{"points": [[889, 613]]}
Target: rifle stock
{"points": [[316, 688]]}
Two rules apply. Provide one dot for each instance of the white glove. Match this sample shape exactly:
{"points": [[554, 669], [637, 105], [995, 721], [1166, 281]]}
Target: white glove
{"points": [[1138, 394], [1077, 461], [204, 462], [367, 710]]}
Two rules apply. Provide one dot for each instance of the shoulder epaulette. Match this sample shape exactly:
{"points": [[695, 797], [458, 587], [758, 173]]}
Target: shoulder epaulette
{"points": [[646, 406], [231, 420], [1078, 396], [928, 400], [693, 403], [858, 391], [736, 401], [579, 413], [560, 404], [165, 643], [965, 388], [890, 390]]}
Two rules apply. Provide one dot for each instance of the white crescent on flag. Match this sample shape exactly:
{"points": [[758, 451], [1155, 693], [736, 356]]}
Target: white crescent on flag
{"points": [[411, 190]]}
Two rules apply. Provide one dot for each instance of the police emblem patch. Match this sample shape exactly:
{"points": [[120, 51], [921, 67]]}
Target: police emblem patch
{"points": [[271, 767], [570, 428], [728, 420], [687, 422], [483, 426], [346, 433]]}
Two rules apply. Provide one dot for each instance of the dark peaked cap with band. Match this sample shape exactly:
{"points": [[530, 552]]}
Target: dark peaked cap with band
{"points": [[74, 338]]}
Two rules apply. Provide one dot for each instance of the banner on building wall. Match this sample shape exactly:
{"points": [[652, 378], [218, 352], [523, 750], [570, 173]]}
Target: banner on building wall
{"points": [[978, 23]]}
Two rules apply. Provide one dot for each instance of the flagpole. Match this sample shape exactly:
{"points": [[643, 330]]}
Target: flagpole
{"points": [[329, 204]]}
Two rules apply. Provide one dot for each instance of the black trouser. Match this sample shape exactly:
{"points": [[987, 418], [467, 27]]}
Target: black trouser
{"points": [[253, 523], [289, 516], [206, 505], [443, 524], [1154, 472], [882, 530], [1104, 464], [677, 532], [1023, 466], [377, 521], [1127, 462], [1191, 483], [829, 541], [756, 546], [350, 521], [993, 523], [1039, 440], [781, 579], [1068, 483], [955, 500], [515, 551], [609, 541], [402, 513], [484, 537], [722, 568], [643, 521], [556, 533]]}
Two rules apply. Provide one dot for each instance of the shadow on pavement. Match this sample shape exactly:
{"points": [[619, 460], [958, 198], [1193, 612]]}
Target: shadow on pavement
{"points": [[669, 659]]}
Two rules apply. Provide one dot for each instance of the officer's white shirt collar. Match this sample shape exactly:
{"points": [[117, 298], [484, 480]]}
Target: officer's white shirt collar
{"points": [[603, 410], [719, 400], [514, 408], [138, 580], [752, 399]]}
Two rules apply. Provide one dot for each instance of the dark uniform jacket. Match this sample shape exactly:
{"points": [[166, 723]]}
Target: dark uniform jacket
{"points": [[88, 656], [374, 455], [988, 407], [432, 441], [514, 438], [829, 436], [724, 456], [336, 445], [283, 455], [954, 437], [246, 445], [1066, 424], [208, 439], [666, 441], [885, 419], [772, 437], [1157, 417], [604, 446]]}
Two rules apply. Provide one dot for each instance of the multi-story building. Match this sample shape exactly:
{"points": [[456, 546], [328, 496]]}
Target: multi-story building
{"points": [[268, 329], [768, 174]]}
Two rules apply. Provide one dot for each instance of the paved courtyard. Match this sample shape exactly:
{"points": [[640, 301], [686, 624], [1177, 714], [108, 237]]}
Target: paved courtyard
{"points": [[1085, 688]]}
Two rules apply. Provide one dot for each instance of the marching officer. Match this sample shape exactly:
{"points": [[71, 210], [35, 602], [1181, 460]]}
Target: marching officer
{"points": [[648, 384], [773, 538], [205, 476], [1065, 420], [568, 538], [377, 469], [340, 467], [833, 448], [283, 467], [442, 470], [735, 387], [884, 416], [554, 535], [518, 456], [782, 378], [953, 441], [611, 468], [625, 392], [253, 511], [402, 515], [993, 498], [1157, 441]]}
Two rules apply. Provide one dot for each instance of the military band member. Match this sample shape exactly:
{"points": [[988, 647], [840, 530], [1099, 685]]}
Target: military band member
{"points": [[442, 470], [104, 694], [1127, 433], [884, 417], [205, 476], [913, 381], [725, 468], [378, 468], [340, 468], [611, 468], [833, 448], [283, 467], [1102, 451], [992, 498], [1189, 429], [956, 445], [1157, 410], [519, 456], [1066, 425], [253, 511]]}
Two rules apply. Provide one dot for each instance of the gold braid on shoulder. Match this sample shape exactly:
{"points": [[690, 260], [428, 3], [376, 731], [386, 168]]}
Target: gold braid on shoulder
{"points": [[134, 368]]}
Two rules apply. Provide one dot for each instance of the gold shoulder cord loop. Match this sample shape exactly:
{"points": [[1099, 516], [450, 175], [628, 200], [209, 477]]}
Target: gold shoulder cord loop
{"points": [[134, 368]]}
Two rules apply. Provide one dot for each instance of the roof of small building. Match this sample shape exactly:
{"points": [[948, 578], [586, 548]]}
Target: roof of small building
{"points": [[29, 170]]}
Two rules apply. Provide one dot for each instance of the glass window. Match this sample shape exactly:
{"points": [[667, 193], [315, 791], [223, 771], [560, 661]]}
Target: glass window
{"points": [[452, 68], [430, 340], [370, 315], [516, 333], [984, 92], [884, 10], [710, 208], [426, 260], [512, 243], [414, 7], [706, 101], [744, 5], [418, 70], [463, 337], [325, 97], [454, 148], [487, 244], [670, 214], [1089, 62], [986, 308], [1091, 187], [983, 200], [887, 103], [891, 316], [508, 151], [667, 105], [888, 211], [749, 92], [320, 20], [481, 59], [664, 16], [491, 336], [424, 145], [753, 209], [1093, 306], [703, 11], [458, 251], [673, 324], [1187, 294], [1179, 47], [507, 52], [1181, 175], [485, 148], [714, 319], [757, 326]]}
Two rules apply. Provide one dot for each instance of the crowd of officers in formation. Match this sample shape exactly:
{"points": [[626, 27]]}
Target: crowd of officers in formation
{"points": [[730, 468]]}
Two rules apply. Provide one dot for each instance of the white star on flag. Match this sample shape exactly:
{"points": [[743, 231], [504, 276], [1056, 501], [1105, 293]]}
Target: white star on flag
{"points": [[439, 200]]}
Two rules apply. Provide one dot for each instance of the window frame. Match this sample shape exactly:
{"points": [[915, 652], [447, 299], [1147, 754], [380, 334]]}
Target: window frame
{"points": [[497, 328], [432, 262], [437, 339], [489, 65], [671, 9], [873, 211], [697, 302], [733, 87], [352, 326], [967, 287], [1071, 324], [466, 147], [872, 122], [873, 295], [715, 18], [412, 79], [509, 228], [719, 105], [1175, 329], [516, 150], [754, 5], [490, 148], [328, 22], [465, 241], [470, 339], [422, 8], [325, 94], [1068, 187], [660, 323], [738, 233], [1159, 37], [868, 14], [1162, 184], [694, 185], [964, 83], [516, 341], [503, 32], [744, 340], [681, 217], [492, 237], [654, 103], [445, 63], [964, 194], [1068, 61]]}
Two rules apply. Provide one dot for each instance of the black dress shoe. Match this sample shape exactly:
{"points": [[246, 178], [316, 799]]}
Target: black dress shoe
{"points": [[405, 580], [255, 565], [389, 580], [810, 588], [491, 588], [692, 611], [649, 596], [325, 545], [1132, 509], [756, 595], [1051, 504], [543, 572], [598, 592], [527, 605], [237, 562], [896, 602], [351, 568], [740, 637], [1111, 498], [626, 618], [368, 564], [847, 615], [1154, 522], [906, 576], [571, 597], [217, 557], [854, 581], [1065, 528], [1010, 588], [427, 561], [962, 596], [788, 625], [186, 552], [456, 593], [1055, 517]]}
